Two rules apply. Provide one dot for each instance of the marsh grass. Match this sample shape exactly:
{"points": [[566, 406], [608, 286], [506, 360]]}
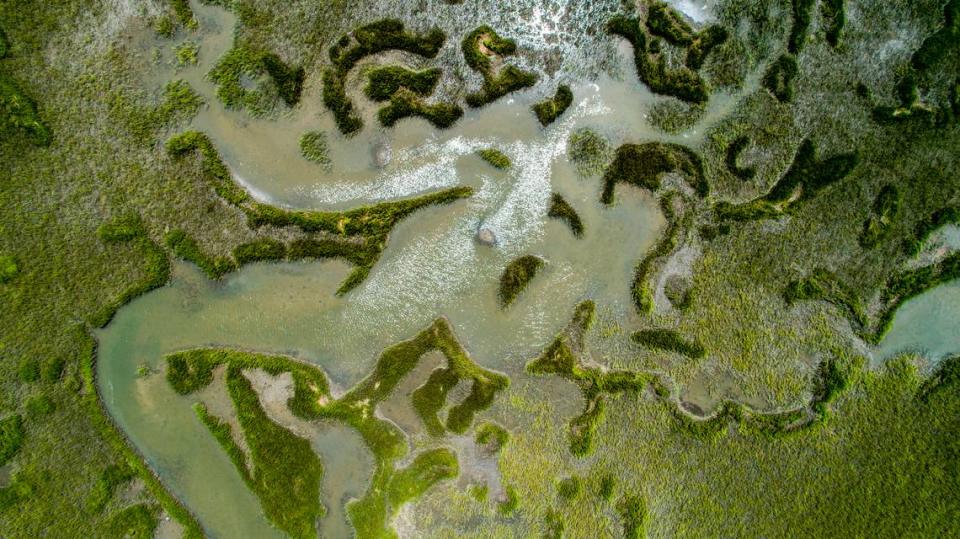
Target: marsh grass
{"points": [[550, 109], [561, 209], [516, 276]]}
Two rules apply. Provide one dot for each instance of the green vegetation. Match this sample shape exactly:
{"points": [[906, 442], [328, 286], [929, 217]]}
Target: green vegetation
{"points": [[549, 110], [569, 487], [480, 46], [492, 436], [561, 358], [588, 151], [186, 53], [834, 17], [185, 247], [427, 469], [516, 276], [670, 341], [404, 104], [949, 215], [112, 477], [129, 228], [39, 405], [4, 44], [11, 437], [633, 513], [733, 153], [8, 268], [780, 76], [643, 164], [806, 177], [824, 285], [136, 522], [801, 25], [885, 210], [367, 40], [385, 81], [313, 147], [944, 41], [642, 295], [673, 116], [242, 63], [682, 83], [561, 209], [554, 525], [495, 157], [663, 21], [18, 113]]}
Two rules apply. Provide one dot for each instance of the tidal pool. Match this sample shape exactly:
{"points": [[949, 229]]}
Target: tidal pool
{"points": [[928, 324], [432, 265]]}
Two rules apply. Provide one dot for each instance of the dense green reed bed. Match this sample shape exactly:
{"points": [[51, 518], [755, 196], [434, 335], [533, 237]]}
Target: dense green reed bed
{"points": [[516, 276]]}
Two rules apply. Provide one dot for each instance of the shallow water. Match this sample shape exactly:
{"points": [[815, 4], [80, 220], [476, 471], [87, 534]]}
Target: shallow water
{"points": [[928, 324], [431, 267]]}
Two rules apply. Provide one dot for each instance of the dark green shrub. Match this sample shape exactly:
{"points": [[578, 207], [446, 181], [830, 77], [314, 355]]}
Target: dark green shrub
{"points": [[942, 42], [29, 371], [39, 405], [4, 44], [289, 80], [569, 487], [495, 157], [509, 79], [834, 18], [652, 68], [11, 437], [885, 209], [670, 341], [18, 113], [664, 22], [385, 81], [607, 484], [52, 370], [733, 153], [633, 514], [779, 77], [549, 110], [643, 164], [561, 209], [706, 42], [373, 38], [553, 525], [516, 276], [8, 268], [801, 24], [404, 104]]}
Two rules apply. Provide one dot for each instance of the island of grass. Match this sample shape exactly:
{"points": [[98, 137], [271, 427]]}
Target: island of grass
{"points": [[550, 109], [670, 341], [682, 83], [313, 147], [241, 62], [484, 50], [589, 152], [364, 41], [516, 276], [404, 104], [561, 209], [663, 21], [642, 165], [392, 486], [385, 81], [495, 158]]}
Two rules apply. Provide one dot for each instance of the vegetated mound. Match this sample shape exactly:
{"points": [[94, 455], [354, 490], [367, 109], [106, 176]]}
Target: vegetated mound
{"points": [[516, 276]]}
